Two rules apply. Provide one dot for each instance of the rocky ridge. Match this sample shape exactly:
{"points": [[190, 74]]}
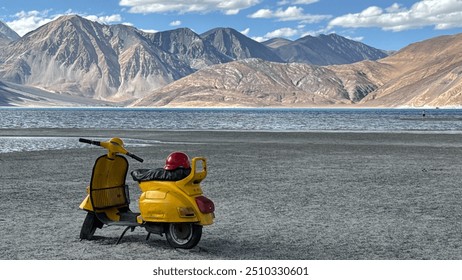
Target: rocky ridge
{"points": [[253, 82], [7, 34], [324, 50]]}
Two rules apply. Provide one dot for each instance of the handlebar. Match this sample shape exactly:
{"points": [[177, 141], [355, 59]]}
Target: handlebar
{"points": [[135, 157], [91, 142], [121, 149]]}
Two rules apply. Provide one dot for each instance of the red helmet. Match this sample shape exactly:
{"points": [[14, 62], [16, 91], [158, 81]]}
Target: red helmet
{"points": [[176, 160]]}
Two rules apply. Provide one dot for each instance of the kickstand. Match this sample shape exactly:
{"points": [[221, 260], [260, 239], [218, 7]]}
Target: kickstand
{"points": [[123, 233], [147, 237]]}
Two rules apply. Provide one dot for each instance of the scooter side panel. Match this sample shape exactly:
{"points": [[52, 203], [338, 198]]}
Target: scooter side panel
{"points": [[174, 202], [163, 205]]}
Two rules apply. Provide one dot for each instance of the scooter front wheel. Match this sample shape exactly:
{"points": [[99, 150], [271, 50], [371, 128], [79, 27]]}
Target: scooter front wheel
{"points": [[89, 226], [183, 235]]}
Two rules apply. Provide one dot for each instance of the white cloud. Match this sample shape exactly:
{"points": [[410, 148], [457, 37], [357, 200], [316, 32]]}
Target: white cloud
{"points": [[442, 14], [149, 30], [245, 31], [304, 2], [292, 13], [285, 32], [372, 12], [259, 39], [262, 13], [357, 39], [297, 2], [314, 32], [105, 19], [175, 23], [282, 32], [231, 7], [395, 8], [26, 21]]}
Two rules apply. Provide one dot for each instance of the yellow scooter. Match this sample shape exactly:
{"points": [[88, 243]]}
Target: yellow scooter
{"points": [[176, 208]]}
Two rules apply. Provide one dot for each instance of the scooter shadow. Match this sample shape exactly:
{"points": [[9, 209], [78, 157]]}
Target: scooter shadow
{"points": [[131, 239], [156, 242]]}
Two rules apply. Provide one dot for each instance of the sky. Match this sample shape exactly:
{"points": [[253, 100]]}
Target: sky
{"points": [[383, 24]]}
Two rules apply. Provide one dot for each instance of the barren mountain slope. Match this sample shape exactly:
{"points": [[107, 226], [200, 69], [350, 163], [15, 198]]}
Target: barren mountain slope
{"points": [[254, 82], [7, 34], [237, 46], [361, 78], [188, 47], [80, 57], [19, 95], [329, 49], [428, 73]]}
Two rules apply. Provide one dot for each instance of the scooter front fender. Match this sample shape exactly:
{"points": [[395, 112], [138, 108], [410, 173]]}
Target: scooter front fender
{"points": [[111, 213], [86, 204]]}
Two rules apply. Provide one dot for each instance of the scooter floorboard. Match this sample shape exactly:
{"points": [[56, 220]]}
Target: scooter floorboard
{"points": [[127, 219]]}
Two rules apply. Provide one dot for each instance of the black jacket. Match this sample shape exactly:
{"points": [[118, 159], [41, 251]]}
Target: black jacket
{"points": [[160, 174]]}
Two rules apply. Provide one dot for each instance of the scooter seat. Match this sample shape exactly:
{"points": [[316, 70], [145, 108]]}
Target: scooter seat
{"points": [[160, 174]]}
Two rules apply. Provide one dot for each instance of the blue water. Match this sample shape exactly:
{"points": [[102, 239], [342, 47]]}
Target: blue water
{"points": [[356, 120], [236, 119]]}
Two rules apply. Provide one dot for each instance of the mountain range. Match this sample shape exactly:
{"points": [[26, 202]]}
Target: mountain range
{"points": [[74, 59], [323, 50], [118, 63], [427, 73]]}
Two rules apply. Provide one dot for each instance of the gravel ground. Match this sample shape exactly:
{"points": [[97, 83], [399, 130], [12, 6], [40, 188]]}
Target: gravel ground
{"points": [[278, 195]]}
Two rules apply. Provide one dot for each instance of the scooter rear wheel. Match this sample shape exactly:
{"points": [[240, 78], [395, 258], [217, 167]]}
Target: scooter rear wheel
{"points": [[89, 226], [183, 235]]}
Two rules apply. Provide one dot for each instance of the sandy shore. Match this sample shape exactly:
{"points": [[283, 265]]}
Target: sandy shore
{"points": [[290, 195]]}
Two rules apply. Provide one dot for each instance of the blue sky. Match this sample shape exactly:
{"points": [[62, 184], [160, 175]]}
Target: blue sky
{"points": [[384, 24]]}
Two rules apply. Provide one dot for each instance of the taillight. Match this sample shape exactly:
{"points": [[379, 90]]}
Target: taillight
{"points": [[205, 205]]}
